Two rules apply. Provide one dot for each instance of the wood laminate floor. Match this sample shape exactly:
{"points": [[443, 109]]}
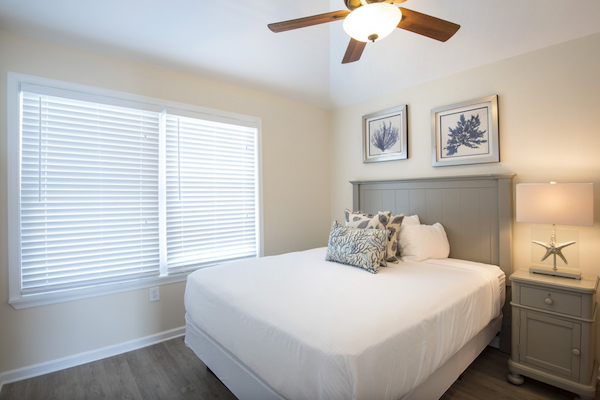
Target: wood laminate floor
{"points": [[171, 371], [486, 379]]}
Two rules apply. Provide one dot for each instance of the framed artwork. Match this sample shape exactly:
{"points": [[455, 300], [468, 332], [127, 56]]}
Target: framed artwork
{"points": [[465, 133], [385, 136]]}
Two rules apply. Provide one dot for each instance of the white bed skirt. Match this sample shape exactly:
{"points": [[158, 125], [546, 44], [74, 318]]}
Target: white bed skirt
{"points": [[245, 385]]}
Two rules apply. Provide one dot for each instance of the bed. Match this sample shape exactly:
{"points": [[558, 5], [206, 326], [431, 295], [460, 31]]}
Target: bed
{"points": [[327, 330]]}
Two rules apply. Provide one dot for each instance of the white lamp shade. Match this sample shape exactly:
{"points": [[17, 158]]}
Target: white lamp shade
{"points": [[372, 22], [556, 203]]}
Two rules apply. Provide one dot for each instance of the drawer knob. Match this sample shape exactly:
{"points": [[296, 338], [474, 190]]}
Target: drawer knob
{"points": [[548, 301], [576, 352]]}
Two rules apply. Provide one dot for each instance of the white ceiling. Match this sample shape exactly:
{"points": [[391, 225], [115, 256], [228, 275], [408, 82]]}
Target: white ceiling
{"points": [[230, 42]]}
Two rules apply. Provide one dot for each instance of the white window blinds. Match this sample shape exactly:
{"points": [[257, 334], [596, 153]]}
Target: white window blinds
{"points": [[114, 190], [89, 193], [211, 192]]}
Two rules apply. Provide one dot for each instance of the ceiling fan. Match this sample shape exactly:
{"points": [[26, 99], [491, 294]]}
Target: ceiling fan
{"points": [[372, 20]]}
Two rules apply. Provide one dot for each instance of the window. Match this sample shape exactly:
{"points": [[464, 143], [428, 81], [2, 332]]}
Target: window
{"points": [[211, 192], [111, 192]]}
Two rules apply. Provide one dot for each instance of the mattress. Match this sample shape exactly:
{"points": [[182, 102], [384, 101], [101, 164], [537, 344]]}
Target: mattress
{"points": [[313, 329]]}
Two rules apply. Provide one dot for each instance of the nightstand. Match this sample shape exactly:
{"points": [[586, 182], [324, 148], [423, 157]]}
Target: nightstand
{"points": [[554, 331]]}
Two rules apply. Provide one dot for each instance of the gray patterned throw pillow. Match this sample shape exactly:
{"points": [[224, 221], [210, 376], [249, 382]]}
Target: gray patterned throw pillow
{"points": [[381, 220], [392, 250], [359, 219], [358, 247]]}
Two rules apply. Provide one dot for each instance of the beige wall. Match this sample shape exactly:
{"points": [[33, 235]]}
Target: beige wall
{"points": [[295, 156], [549, 101]]}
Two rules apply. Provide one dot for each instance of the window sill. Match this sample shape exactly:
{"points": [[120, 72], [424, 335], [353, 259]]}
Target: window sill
{"points": [[78, 294]]}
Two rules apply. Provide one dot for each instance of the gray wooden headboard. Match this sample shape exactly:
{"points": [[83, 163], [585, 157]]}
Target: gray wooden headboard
{"points": [[476, 211]]}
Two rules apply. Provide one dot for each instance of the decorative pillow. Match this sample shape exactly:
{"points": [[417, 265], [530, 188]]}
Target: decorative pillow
{"points": [[420, 242], [392, 250], [358, 219], [358, 247]]}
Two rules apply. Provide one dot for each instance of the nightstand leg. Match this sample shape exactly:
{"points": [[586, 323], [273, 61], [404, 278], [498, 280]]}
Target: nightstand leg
{"points": [[515, 379]]}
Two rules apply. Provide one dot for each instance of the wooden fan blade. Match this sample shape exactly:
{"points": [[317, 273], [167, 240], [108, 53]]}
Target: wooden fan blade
{"points": [[308, 21], [427, 25], [354, 51]]}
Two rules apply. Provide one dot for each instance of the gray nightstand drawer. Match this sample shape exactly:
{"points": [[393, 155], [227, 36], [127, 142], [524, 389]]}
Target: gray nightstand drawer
{"points": [[550, 300]]}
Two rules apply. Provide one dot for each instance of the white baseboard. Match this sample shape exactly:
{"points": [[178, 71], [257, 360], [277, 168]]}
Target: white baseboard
{"points": [[20, 374]]}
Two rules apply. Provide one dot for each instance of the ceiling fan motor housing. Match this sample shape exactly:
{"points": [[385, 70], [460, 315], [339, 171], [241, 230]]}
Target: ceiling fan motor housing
{"points": [[354, 4]]}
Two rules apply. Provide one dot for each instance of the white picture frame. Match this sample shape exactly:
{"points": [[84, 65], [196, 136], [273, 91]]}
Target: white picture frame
{"points": [[465, 133]]}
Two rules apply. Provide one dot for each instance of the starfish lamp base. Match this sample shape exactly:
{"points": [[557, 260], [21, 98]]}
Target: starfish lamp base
{"points": [[555, 249], [564, 272]]}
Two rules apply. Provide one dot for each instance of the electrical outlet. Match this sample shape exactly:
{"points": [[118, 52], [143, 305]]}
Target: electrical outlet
{"points": [[154, 294]]}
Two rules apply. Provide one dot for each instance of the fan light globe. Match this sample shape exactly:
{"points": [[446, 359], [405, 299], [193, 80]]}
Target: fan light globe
{"points": [[372, 22]]}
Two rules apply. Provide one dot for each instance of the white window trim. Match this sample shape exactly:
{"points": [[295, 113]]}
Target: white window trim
{"points": [[14, 80]]}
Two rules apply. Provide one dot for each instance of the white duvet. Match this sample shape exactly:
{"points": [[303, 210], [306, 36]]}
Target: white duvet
{"points": [[314, 329]]}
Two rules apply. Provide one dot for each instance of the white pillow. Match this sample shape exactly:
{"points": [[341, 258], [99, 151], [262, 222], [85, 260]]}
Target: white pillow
{"points": [[410, 220], [420, 242]]}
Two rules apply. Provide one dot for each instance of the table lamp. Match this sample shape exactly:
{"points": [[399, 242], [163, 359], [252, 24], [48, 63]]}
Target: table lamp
{"points": [[556, 203]]}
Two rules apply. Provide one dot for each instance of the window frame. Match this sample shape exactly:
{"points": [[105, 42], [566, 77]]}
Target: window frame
{"points": [[14, 81]]}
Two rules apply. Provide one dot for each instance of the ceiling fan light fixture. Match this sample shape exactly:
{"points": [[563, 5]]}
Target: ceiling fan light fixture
{"points": [[372, 22]]}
